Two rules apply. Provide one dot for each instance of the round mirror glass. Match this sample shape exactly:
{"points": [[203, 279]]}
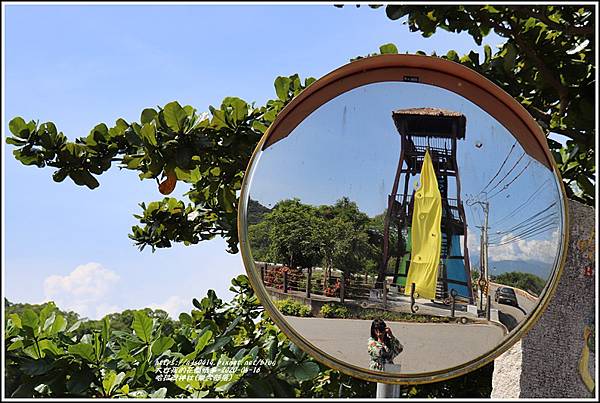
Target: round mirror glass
{"points": [[400, 229]]}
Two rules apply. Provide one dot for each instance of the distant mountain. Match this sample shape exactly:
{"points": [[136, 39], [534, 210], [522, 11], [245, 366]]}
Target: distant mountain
{"points": [[538, 268], [256, 211]]}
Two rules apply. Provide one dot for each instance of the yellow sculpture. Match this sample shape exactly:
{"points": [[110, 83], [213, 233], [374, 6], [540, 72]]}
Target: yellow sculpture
{"points": [[425, 234], [584, 370]]}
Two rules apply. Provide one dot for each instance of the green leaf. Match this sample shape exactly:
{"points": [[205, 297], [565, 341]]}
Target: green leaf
{"points": [[228, 199], [282, 87], [142, 326], [36, 367], [306, 371], [158, 394], [174, 116], [16, 320], [232, 325], [395, 12], [221, 341], [257, 125], [273, 349], [29, 319], [148, 133], [509, 57], [452, 55], [161, 345], [111, 381], [488, 53], [50, 346], [18, 125], [83, 350], [15, 142], [203, 340], [83, 177], [148, 115], [388, 48], [74, 327], [185, 319], [15, 345], [59, 325], [48, 322], [60, 175], [239, 108], [105, 330]]}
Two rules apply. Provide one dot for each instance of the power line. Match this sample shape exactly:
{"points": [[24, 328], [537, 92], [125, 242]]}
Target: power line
{"points": [[527, 224], [512, 213], [531, 233], [499, 169], [510, 183], [526, 231], [532, 217], [508, 173], [531, 223]]}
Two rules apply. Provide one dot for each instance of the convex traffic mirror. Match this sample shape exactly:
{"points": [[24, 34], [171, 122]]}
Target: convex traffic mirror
{"points": [[403, 220]]}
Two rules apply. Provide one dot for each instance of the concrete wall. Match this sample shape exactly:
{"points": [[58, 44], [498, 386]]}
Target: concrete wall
{"points": [[545, 363]]}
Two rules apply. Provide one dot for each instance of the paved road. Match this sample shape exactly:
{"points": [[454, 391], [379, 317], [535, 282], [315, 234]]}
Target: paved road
{"points": [[427, 346], [511, 316]]}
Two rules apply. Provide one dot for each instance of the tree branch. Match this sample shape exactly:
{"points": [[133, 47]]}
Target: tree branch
{"points": [[571, 30], [563, 92]]}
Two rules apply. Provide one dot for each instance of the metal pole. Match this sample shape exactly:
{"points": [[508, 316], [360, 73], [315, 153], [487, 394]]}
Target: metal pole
{"points": [[487, 307], [308, 278], [481, 276], [385, 292], [285, 282], [343, 288], [387, 390], [486, 210]]}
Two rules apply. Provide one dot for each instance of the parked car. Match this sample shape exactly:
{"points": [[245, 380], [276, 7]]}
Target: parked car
{"points": [[506, 295]]}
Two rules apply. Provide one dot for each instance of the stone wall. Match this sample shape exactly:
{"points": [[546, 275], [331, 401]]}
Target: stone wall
{"points": [[545, 363]]}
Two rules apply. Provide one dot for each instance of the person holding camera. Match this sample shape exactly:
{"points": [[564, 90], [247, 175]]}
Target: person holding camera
{"points": [[383, 347]]}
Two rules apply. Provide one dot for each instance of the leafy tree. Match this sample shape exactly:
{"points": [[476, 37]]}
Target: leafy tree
{"points": [[291, 234], [546, 63], [46, 358], [347, 243], [525, 281]]}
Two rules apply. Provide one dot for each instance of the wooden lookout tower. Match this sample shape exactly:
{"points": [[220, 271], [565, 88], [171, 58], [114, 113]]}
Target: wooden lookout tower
{"points": [[439, 130]]}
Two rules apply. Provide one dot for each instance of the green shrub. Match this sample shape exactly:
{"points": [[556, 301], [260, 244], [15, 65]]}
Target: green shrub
{"points": [[292, 308], [335, 311]]}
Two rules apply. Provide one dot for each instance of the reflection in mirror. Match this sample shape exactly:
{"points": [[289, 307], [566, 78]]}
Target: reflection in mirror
{"points": [[401, 228]]}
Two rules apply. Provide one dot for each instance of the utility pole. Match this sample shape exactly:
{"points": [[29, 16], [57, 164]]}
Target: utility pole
{"points": [[486, 211], [481, 264], [484, 276]]}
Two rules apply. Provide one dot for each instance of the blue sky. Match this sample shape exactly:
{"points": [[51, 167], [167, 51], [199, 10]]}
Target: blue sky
{"points": [[78, 65]]}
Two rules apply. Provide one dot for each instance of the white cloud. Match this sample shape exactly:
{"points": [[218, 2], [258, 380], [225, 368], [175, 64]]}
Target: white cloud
{"points": [[543, 250], [87, 290], [174, 305], [473, 242]]}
